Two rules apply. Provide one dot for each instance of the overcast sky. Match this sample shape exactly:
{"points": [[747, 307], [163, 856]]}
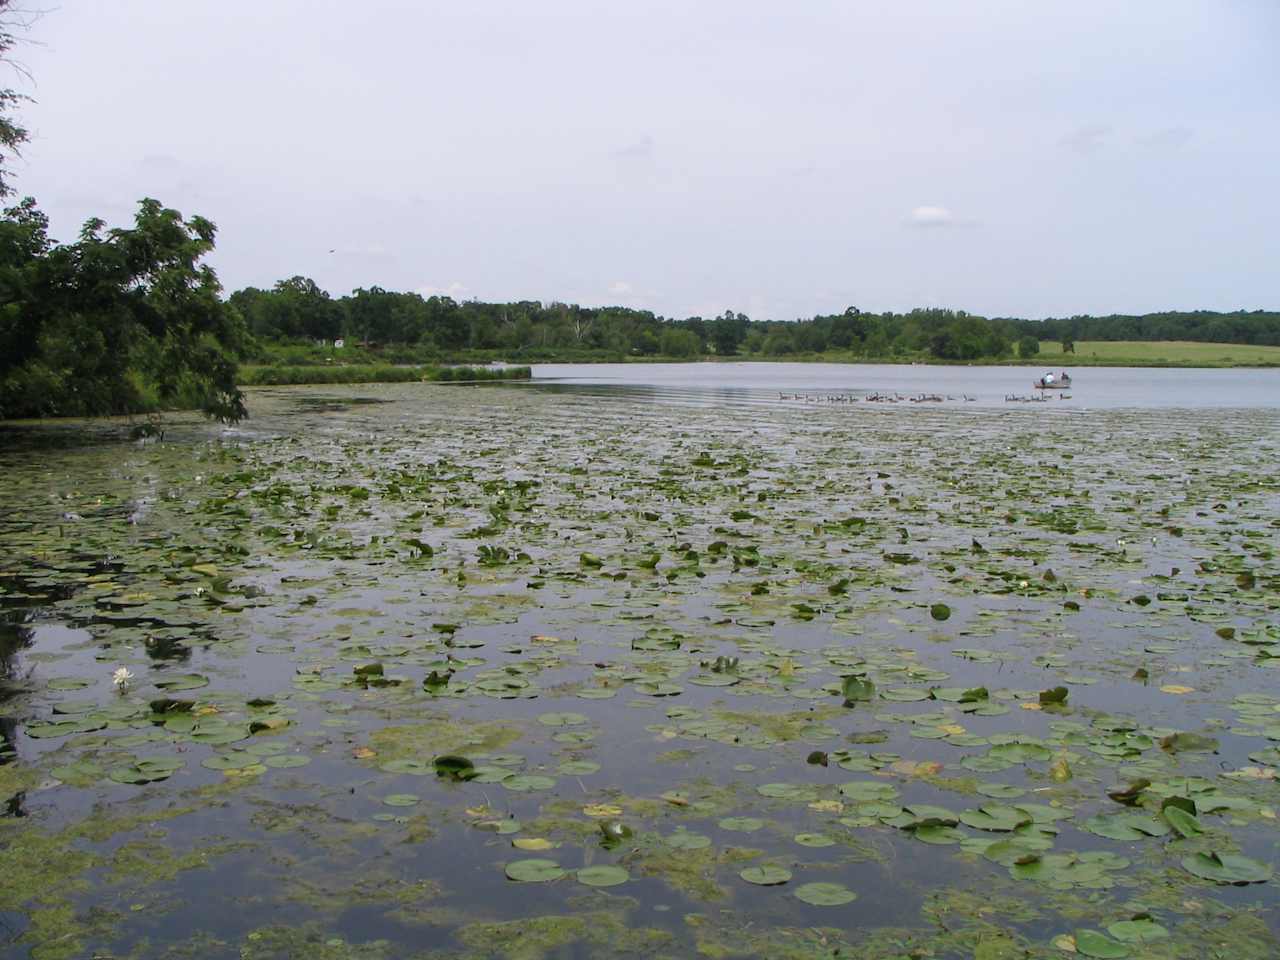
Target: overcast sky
{"points": [[1008, 157]]}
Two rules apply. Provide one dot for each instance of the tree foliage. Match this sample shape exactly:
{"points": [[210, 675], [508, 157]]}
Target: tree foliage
{"points": [[528, 330], [12, 134], [1257, 327], [124, 320]]}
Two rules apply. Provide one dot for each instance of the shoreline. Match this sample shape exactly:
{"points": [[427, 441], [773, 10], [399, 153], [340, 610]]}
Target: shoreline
{"points": [[318, 375]]}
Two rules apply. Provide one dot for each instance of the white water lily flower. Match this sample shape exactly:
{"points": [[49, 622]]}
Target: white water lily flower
{"points": [[121, 678]]}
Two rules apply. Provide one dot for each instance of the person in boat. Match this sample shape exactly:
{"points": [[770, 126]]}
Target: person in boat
{"points": [[1048, 378]]}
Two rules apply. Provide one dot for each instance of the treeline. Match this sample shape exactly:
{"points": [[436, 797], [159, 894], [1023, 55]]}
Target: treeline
{"points": [[1257, 327], [297, 310]]}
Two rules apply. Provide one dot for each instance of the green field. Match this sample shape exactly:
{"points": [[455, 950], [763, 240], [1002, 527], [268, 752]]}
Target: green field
{"points": [[1162, 353]]}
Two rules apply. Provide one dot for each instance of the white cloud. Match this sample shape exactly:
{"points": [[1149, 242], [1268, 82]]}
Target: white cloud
{"points": [[932, 217], [1088, 138], [620, 288], [160, 162], [641, 149], [454, 290], [1170, 138]]}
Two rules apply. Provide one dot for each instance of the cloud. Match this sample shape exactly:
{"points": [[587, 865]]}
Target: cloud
{"points": [[160, 162], [620, 288], [1170, 138], [1088, 138], [932, 217], [454, 290], [642, 149]]}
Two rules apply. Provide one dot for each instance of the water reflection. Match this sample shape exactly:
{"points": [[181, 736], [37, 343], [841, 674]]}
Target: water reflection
{"points": [[1092, 387], [15, 635], [691, 394]]}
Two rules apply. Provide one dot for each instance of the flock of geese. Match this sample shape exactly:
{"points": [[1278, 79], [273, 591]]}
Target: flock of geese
{"points": [[872, 398], [899, 398]]}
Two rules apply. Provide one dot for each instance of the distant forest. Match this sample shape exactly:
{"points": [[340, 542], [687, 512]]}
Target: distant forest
{"points": [[297, 310]]}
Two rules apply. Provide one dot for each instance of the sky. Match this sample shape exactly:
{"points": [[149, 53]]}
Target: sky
{"points": [[1005, 157]]}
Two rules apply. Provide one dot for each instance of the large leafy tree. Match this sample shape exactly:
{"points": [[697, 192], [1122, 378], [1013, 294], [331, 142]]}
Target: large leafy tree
{"points": [[728, 332], [120, 321]]}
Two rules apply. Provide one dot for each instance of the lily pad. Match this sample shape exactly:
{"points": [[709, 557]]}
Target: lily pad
{"points": [[1137, 930], [528, 782], [825, 894], [534, 871], [741, 824], [578, 768], [602, 876], [1186, 824], [186, 681], [1126, 826], [814, 840], [788, 791], [683, 840], [765, 876], [286, 761], [1227, 868], [1091, 943], [401, 800]]}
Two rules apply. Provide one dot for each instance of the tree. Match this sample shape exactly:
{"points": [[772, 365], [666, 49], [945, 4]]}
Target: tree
{"points": [[124, 321], [309, 310], [680, 343], [727, 332], [1068, 345], [1028, 346], [12, 135], [779, 341]]}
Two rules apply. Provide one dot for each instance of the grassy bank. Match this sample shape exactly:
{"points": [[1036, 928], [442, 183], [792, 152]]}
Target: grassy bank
{"points": [[281, 375], [1158, 353]]}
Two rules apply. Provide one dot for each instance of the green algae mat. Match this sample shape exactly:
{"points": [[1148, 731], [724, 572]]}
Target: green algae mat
{"points": [[406, 671]]}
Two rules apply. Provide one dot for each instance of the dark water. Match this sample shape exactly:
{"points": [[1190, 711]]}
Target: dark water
{"points": [[589, 564]]}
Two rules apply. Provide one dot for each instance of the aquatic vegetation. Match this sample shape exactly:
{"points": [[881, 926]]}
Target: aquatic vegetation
{"points": [[517, 648]]}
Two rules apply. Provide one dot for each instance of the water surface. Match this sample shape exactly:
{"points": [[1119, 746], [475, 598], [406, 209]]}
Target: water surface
{"points": [[708, 644], [1092, 387]]}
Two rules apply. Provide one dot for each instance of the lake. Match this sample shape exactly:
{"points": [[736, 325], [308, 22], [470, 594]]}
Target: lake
{"points": [[1092, 387], [647, 661]]}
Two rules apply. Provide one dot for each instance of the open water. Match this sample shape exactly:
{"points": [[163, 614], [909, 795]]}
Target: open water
{"points": [[1092, 387]]}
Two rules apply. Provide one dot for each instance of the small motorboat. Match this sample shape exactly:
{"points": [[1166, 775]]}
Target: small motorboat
{"points": [[1054, 381]]}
